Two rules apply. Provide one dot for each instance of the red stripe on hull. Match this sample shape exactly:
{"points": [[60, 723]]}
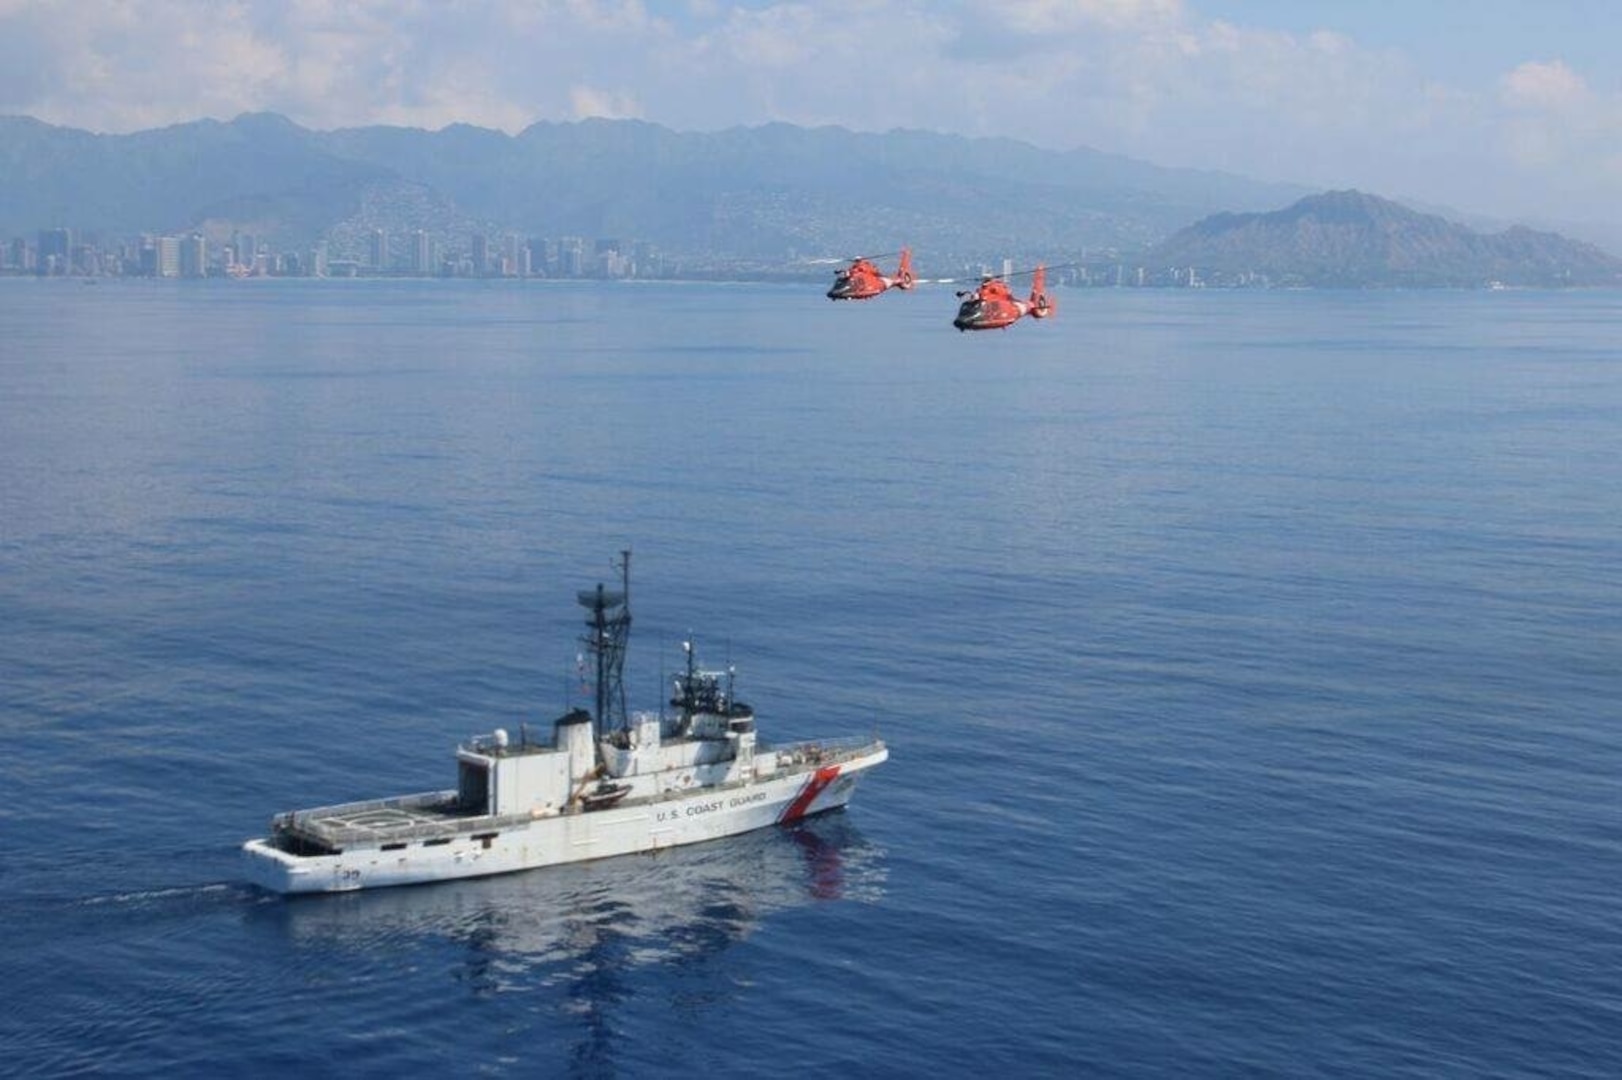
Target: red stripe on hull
{"points": [[813, 787]]}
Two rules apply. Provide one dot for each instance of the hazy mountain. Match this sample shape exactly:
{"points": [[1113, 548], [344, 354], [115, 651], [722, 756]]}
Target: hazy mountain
{"points": [[762, 191], [1347, 238], [171, 179]]}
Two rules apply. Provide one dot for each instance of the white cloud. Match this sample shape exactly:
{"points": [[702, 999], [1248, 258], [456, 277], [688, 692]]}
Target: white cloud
{"points": [[1152, 78], [591, 101], [1068, 16], [1561, 134], [1550, 85], [1330, 43]]}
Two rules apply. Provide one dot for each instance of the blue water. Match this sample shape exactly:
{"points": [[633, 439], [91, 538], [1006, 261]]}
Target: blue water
{"points": [[1251, 664]]}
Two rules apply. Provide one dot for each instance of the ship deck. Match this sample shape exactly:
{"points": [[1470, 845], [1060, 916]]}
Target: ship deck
{"points": [[434, 815], [379, 821]]}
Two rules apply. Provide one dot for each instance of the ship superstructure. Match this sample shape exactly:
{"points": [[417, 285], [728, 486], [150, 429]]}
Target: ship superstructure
{"points": [[603, 783]]}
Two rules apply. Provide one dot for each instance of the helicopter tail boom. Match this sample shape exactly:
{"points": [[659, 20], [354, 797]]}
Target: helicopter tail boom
{"points": [[1041, 305], [903, 275]]}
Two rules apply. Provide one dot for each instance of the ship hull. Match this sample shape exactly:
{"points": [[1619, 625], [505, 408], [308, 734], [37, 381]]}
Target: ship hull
{"points": [[627, 828]]}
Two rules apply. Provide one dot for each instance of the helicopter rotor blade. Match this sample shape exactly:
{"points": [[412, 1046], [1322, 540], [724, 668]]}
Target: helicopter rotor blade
{"points": [[1027, 273], [852, 258]]}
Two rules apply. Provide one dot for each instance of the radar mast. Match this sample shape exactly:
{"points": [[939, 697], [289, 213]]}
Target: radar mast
{"points": [[608, 634]]}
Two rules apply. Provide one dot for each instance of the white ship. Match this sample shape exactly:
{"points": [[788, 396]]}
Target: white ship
{"points": [[606, 784]]}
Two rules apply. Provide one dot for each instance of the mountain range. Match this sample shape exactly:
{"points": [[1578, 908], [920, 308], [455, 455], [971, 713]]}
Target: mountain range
{"points": [[1353, 239], [758, 196], [762, 192]]}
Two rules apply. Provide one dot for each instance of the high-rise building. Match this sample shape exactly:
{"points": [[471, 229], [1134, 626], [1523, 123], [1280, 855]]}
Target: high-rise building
{"points": [[422, 253], [646, 261], [380, 250], [160, 256], [571, 256], [86, 258], [55, 252], [481, 255], [543, 258], [168, 256], [193, 257]]}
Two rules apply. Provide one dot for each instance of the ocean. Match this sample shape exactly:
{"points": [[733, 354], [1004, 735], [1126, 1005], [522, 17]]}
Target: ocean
{"points": [[1250, 662]]}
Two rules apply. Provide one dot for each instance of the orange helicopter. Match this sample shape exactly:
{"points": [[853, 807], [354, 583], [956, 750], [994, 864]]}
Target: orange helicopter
{"points": [[861, 280], [993, 306]]}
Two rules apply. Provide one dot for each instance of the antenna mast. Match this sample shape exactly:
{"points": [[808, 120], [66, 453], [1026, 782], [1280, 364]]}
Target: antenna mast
{"points": [[608, 634]]}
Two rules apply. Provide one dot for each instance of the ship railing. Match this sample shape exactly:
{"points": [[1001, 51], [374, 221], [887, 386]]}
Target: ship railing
{"points": [[825, 751], [312, 825], [334, 825]]}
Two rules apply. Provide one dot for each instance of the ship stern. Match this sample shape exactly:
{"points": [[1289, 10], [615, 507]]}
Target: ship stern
{"points": [[270, 868]]}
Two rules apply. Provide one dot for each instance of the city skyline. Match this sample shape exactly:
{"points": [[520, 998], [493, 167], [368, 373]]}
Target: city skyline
{"points": [[65, 252]]}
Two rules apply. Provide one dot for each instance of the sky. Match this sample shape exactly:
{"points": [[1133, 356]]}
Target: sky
{"points": [[1505, 108]]}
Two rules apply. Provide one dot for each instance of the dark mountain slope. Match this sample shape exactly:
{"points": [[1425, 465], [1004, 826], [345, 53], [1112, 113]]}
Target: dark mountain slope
{"points": [[1347, 238]]}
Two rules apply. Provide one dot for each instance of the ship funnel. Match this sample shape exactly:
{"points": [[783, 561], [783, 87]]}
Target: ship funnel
{"points": [[573, 737]]}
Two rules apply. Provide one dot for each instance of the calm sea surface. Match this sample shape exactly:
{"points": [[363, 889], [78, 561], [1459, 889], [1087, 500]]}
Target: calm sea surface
{"points": [[1251, 665]]}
